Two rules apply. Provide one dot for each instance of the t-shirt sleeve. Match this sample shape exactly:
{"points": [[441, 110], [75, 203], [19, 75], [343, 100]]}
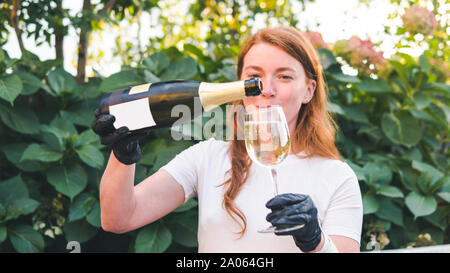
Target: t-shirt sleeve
{"points": [[184, 168], [345, 211]]}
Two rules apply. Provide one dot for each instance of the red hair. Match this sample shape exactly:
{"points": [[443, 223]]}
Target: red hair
{"points": [[315, 129]]}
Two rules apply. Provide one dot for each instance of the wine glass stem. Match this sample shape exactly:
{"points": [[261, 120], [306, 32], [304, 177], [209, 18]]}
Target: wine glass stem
{"points": [[274, 179]]}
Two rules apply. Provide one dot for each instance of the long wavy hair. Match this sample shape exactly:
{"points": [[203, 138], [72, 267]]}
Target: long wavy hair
{"points": [[315, 129]]}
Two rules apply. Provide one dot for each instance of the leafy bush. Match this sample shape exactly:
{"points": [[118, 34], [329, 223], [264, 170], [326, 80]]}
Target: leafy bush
{"points": [[393, 133]]}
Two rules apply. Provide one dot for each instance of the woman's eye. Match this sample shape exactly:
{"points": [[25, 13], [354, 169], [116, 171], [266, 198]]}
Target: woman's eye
{"points": [[253, 76], [286, 77]]}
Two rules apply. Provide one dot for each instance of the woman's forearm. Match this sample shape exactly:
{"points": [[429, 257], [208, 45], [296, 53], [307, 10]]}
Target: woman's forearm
{"points": [[117, 200]]}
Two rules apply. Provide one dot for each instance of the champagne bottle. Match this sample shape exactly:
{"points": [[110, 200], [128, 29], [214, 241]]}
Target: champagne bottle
{"points": [[149, 106]]}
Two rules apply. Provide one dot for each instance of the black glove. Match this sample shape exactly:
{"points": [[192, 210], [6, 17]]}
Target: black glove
{"points": [[290, 209], [125, 146]]}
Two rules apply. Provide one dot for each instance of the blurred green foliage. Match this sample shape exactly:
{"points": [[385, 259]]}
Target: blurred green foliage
{"points": [[393, 130]]}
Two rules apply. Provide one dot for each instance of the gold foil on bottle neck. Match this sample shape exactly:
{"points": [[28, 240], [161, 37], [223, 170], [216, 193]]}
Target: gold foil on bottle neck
{"points": [[215, 94], [139, 88]]}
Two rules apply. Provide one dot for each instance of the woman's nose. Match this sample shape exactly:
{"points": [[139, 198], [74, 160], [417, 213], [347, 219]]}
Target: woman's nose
{"points": [[268, 89]]}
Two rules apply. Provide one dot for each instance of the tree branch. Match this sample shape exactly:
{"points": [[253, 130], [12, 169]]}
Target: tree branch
{"points": [[15, 23], [84, 39], [107, 8], [82, 48], [59, 36]]}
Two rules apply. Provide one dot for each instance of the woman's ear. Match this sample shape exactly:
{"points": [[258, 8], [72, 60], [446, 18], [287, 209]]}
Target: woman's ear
{"points": [[310, 89]]}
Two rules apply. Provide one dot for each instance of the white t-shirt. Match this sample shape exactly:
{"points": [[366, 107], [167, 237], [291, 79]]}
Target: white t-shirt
{"points": [[331, 184]]}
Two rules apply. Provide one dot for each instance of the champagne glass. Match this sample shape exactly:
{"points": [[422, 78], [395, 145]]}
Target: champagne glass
{"points": [[267, 142]]}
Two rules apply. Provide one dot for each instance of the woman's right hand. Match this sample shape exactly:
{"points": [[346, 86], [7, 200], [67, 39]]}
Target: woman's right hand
{"points": [[125, 146]]}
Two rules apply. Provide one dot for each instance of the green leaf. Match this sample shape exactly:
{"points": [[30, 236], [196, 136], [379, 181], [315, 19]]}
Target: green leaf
{"points": [[31, 83], [25, 239], [157, 62], [438, 113], [154, 238], [335, 108], [401, 128], [355, 113], [184, 227], [86, 137], [422, 100], [60, 135], [149, 64], [168, 154], [93, 217], [419, 114], [12, 189], [360, 174], [437, 87], [80, 231], [81, 206], [424, 63], [89, 90], [390, 212], [14, 151], [407, 177], [40, 153], [183, 69], [438, 218], [370, 130], [431, 172], [327, 58], [151, 150], [20, 118], [445, 196], [18, 207], [370, 204], [10, 87], [150, 77], [390, 191], [191, 203], [344, 78], [120, 80], [378, 86], [79, 116], [229, 72], [420, 205], [91, 156], [68, 180], [3, 232], [193, 49], [377, 173], [64, 125], [61, 81], [402, 71]]}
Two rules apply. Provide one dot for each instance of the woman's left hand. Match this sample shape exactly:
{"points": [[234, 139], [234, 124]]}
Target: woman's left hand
{"points": [[290, 209]]}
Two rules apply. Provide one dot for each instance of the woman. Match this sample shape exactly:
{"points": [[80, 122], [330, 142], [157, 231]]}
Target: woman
{"points": [[234, 195]]}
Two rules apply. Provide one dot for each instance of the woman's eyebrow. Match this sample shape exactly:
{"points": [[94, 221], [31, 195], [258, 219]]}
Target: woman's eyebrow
{"points": [[279, 69], [254, 67]]}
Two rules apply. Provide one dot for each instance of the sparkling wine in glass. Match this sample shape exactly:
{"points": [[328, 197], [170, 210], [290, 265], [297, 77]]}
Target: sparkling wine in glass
{"points": [[268, 144]]}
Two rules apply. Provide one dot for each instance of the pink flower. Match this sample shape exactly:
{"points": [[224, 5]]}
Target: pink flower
{"points": [[441, 67], [316, 39], [360, 54], [418, 19]]}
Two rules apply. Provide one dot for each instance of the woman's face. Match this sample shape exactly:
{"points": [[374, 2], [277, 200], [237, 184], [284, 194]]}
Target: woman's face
{"points": [[283, 77]]}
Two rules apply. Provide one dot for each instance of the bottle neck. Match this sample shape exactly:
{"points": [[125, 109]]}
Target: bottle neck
{"points": [[215, 94]]}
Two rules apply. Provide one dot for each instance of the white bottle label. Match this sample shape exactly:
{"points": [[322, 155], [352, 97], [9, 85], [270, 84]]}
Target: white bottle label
{"points": [[133, 114]]}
